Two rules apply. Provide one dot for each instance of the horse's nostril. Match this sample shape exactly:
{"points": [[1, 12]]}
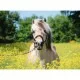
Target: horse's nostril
{"points": [[39, 45], [36, 44]]}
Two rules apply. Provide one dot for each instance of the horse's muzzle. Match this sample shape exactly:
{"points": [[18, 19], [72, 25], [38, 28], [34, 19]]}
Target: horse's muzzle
{"points": [[39, 46]]}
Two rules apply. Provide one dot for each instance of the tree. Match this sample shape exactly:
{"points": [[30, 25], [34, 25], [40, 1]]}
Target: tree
{"points": [[74, 16], [8, 25], [24, 32], [61, 28]]}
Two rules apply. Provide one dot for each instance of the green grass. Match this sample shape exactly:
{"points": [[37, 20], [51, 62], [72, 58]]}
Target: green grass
{"points": [[69, 54]]}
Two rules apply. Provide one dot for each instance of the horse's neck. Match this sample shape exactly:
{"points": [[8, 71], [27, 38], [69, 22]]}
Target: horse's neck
{"points": [[44, 49]]}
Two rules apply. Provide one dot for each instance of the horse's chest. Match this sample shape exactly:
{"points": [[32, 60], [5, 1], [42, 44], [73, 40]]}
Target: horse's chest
{"points": [[45, 55]]}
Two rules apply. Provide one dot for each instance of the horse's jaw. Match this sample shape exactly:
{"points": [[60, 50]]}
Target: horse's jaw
{"points": [[40, 47], [43, 48]]}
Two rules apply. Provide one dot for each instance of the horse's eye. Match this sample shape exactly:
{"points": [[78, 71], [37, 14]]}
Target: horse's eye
{"points": [[45, 31]]}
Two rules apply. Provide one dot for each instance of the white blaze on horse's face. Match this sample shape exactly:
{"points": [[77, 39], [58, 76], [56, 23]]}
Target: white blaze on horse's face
{"points": [[39, 34]]}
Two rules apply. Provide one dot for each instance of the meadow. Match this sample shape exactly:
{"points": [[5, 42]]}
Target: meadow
{"points": [[12, 56]]}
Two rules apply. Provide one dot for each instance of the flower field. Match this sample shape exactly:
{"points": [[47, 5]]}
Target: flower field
{"points": [[12, 56]]}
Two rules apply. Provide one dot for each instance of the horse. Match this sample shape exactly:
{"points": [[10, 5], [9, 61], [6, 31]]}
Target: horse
{"points": [[42, 49]]}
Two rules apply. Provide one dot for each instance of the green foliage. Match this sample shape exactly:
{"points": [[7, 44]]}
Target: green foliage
{"points": [[61, 28], [74, 16], [64, 27], [8, 25], [24, 32]]}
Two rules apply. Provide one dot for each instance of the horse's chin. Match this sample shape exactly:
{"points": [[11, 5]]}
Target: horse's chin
{"points": [[39, 48]]}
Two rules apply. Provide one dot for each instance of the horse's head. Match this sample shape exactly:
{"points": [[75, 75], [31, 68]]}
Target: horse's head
{"points": [[39, 33]]}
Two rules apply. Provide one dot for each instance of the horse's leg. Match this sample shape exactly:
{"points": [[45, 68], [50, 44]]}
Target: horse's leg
{"points": [[43, 64]]}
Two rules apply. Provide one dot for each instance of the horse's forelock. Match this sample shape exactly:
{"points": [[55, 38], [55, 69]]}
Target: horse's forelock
{"points": [[40, 24]]}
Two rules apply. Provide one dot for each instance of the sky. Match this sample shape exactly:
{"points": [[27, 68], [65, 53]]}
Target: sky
{"points": [[45, 14]]}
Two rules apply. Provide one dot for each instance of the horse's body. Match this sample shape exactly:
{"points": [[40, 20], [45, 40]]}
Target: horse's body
{"points": [[48, 52]]}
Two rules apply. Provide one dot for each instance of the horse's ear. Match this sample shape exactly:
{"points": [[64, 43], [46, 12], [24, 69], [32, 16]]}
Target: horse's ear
{"points": [[44, 19], [33, 21]]}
